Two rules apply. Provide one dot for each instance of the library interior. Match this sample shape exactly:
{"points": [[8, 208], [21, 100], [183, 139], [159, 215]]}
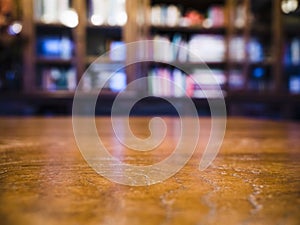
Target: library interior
{"points": [[149, 112]]}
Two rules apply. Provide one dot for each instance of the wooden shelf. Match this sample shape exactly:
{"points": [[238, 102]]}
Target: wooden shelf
{"points": [[56, 61], [189, 4], [189, 65], [291, 24], [257, 96], [51, 25], [103, 27], [188, 29], [58, 94], [264, 63], [139, 27], [104, 60]]}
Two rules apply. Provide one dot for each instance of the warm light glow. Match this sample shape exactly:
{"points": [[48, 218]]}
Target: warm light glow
{"points": [[289, 6], [122, 19], [15, 28], [97, 20], [69, 18], [207, 23], [111, 21]]}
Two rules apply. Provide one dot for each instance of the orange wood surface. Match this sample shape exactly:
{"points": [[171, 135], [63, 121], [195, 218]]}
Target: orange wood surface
{"points": [[44, 179]]}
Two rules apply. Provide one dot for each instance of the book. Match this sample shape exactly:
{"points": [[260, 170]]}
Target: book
{"points": [[206, 48], [55, 47], [162, 49], [294, 84], [179, 83], [239, 16], [161, 82], [216, 15], [236, 80], [98, 12], [295, 51], [54, 79], [256, 53], [238, 49], [117, 82], [107, 12], [208, 83], [172, 15], [117, 51], [50, 11]]}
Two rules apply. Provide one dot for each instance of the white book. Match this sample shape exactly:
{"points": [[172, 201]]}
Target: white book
{"points": [[236, 79], [295, 52], [50, 11], [166, 82], [117, 51], [173, 16], [237, 48], [207, 48], [150, 82], [99, 11], [155, 84], [255, 51], [179, 83], [38, 9], [87, 83], [183, 52], [159, 83], [162, 49], [294, 85], [116, 13], [71, 79], [63, 6], [155, 15], [117, 82]]}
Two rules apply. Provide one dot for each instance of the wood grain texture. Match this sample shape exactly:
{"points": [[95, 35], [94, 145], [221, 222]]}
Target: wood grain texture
{"points": [[255, 179]]}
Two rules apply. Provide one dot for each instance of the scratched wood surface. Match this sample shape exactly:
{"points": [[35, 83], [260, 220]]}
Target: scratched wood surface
{"points": [[44, 179]]}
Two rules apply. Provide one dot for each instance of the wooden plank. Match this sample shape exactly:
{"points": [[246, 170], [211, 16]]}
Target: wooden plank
{"points": [[255, 179], [29, 48]]}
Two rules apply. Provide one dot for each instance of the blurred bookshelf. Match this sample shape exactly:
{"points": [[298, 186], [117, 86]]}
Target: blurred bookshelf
{"points": [[251, 46], [65, 37]]}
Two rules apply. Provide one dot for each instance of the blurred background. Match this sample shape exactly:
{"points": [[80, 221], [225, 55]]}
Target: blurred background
{"points": [[251, 46]]}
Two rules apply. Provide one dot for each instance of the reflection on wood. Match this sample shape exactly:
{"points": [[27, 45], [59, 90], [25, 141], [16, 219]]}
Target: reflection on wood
{"points": [[45, 180]]}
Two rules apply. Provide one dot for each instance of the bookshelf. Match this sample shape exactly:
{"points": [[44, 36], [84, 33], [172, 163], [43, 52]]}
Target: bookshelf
{"points": [[256, 59], [60, 50], [184, 26], [291, 51]]}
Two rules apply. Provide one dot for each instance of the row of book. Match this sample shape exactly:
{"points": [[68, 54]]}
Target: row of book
{"points": [[208, 48], [238, 49], [54, 79], [55, 47], [200, 48], [61, 47], [294, 84], [50, 11], [107, 12], [203, 83], [100, 77], [115, 50], [100, 12], [162, 82], [173, 15], [292, 63], [166, 82]]}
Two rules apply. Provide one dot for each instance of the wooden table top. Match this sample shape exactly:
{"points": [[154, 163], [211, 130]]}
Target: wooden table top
{"points": [[44, 179]]}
